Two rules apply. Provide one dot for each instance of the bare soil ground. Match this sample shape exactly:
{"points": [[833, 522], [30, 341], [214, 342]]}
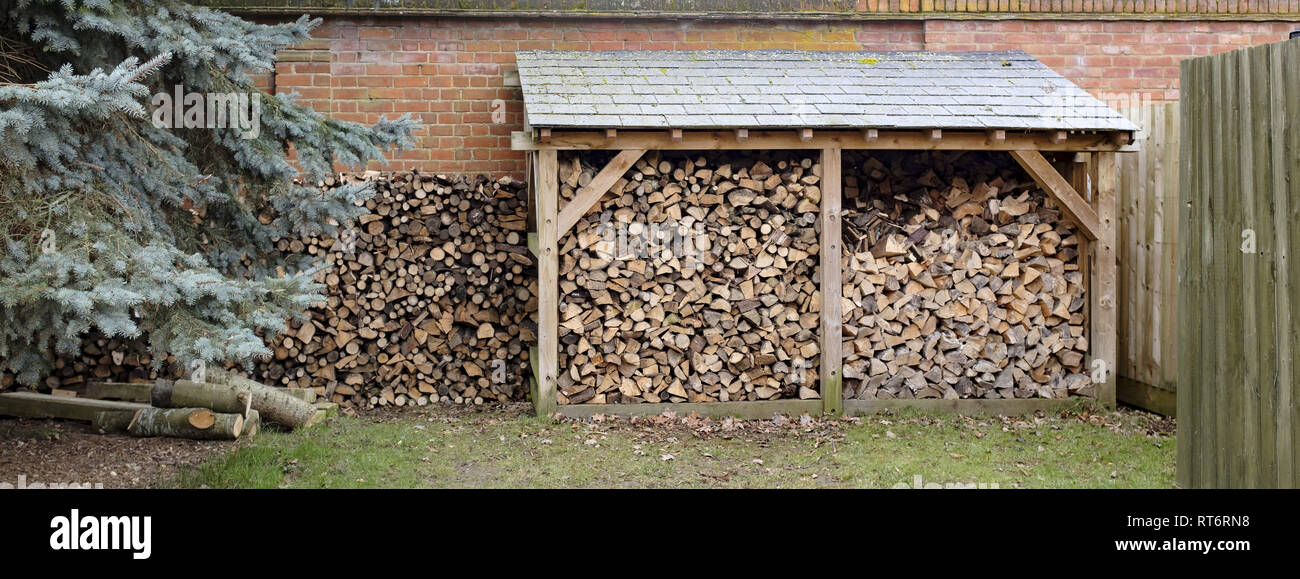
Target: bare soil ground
{"points": [[55, 453]]}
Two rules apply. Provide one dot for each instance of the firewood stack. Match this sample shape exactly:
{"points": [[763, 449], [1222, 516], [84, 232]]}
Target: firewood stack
{"points": [[693, 280], [105, 359], [433, 298], [961, 279]]}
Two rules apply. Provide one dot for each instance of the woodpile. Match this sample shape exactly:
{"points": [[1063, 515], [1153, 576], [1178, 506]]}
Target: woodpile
{"points": [[432, 298], [692, 280], [961, 279], [102, 358]]}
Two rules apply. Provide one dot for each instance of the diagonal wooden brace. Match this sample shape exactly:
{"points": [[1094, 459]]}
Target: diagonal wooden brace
{"points": [[589, 195], [1072, 203]]}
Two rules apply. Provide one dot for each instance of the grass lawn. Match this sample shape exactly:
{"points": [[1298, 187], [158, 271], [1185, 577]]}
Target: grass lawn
{"points": [[504, 447]]}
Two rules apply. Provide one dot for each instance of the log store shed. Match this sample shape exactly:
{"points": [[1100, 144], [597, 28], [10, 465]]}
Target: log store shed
{"points": [[623, 106]]}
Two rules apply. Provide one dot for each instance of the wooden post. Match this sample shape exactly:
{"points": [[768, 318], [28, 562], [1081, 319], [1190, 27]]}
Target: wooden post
{"points": [[548, 284], [1079, 177], [832, 359], [1104, 273]]}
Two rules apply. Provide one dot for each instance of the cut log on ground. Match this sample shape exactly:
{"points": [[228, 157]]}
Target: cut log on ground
{"points": [[273, 404], [692, 280], [233, 399], [193, 423]]}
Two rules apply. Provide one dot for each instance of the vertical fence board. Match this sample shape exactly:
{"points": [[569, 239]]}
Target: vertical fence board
{"points": [[1240, 146], [1189, 267], [1288, 410], [1148, 192]]}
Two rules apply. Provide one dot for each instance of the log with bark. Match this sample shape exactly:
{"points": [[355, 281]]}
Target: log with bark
{"points": [[692, 280], [272, 404], [233, 399], [195, 423], [961, 279]]}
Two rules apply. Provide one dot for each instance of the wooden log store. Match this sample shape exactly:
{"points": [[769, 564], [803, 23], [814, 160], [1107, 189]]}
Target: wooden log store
{"points": [[601, 125]]}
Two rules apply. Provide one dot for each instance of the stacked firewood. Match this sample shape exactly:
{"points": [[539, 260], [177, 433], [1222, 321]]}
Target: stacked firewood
{"points": [[432, 298], [102, 358], [961, 279], [692, 280]]}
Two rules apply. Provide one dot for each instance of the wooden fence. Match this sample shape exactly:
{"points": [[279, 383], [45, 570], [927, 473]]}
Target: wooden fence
{"points": [[1239, 223], [1147, 242]]}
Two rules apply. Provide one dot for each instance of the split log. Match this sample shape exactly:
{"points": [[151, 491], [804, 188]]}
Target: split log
{"points": [[252, 424]]}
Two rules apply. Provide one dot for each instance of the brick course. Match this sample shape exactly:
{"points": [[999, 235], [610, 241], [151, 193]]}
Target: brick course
{"points": [[449, 72]]}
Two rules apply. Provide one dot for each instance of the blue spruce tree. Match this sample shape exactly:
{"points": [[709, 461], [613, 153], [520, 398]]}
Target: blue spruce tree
{"points": [[113, 224]]}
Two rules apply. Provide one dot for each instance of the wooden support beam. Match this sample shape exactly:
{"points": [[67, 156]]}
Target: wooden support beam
{"points": [[1146, 397], [1074, 205], [757, 409], [981, 406], [870, 135], [832, 358], [33, 405], [742, 134], [548, 280], [676, 135], [1105, 273], [719, 140], [600, 184], [128, 391]]}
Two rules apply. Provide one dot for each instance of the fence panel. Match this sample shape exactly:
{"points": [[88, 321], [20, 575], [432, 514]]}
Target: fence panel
{"points": [[1239, 225], [1147, 245]]}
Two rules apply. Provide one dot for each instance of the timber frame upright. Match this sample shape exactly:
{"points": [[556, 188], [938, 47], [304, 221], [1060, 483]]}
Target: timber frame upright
{"points": [[636, 101]]}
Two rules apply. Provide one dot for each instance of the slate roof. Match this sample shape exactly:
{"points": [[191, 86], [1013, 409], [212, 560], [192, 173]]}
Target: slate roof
{"points": [[796, 89]]}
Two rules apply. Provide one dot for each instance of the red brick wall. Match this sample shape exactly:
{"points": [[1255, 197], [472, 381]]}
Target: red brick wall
{"points": [[1108, 58], [449, 71]]}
